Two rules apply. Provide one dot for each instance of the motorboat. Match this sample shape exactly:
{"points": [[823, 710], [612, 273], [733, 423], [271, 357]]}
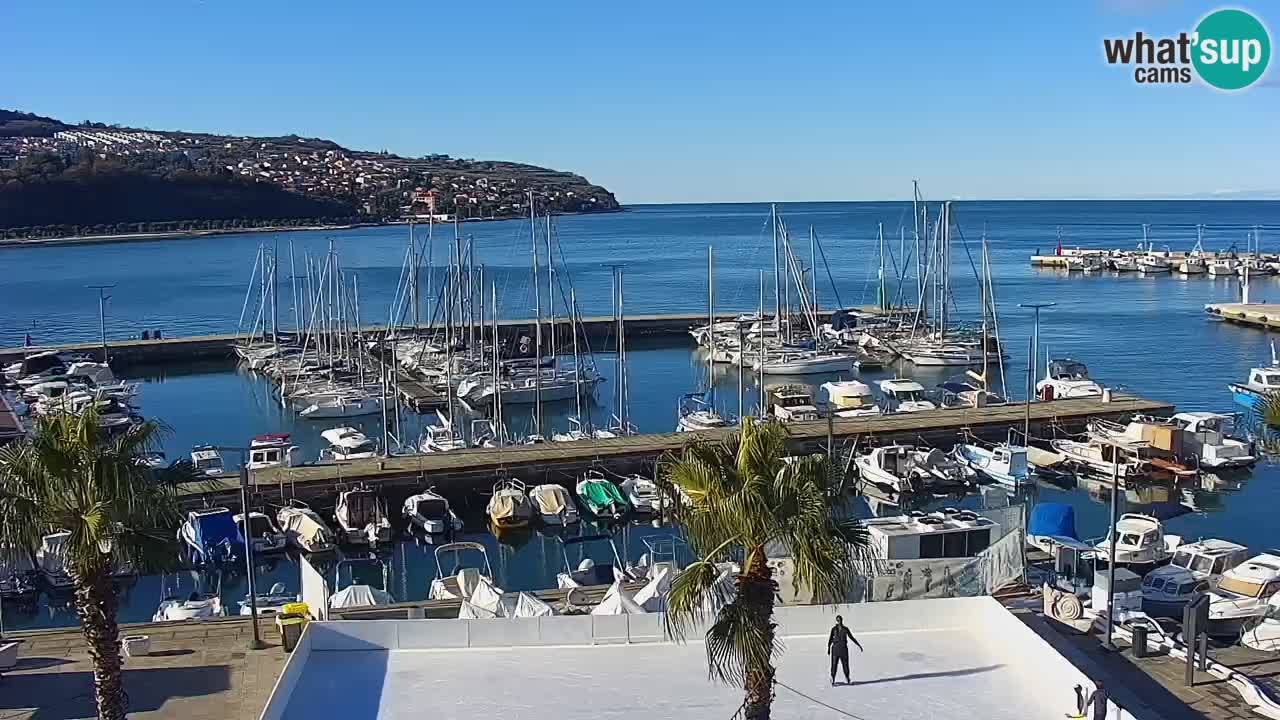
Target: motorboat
{"points": [[906, 468], [1123, 262], [902, 395], [554, 504], [441, 437], [262, 533], [943, 353], [958, 392], [590, 572], [1242, 594], [269, 603], [354, 404], [1142, 542], [697, 412], [1004, 463], [362, 517], [356, 592], [1262, 382], [1224, 265], [1100, 457], [1205, 442], [430, 512], [1193, 264], [848, 398], [198, 604], [347, 443], [1254, 267], [509, 506], [1153, 264], [17, 572], [600, 497], [304, 529], [154, 459], [51, 559], [1052, 524], [804, 363], [206, 459], [1067, 378], [792, 403], [526, 387], [460, 580], [641, 493], [211, 536], [273, 450], [1195, 567], [1263, 633]]}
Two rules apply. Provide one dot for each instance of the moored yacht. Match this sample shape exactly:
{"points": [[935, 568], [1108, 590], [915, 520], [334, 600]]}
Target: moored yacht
{"points": [[261, 532], [347, 443], [362, 517], [849, 398], [1004, 463], [600, 497], [697, 412], [207, 460], [1242, 593], [554, 505], [902, 395], [273, 450], [430, 512], [792, 403], [509, 506], [304, 529], [1262, 382], [1099, 457], [1067, 378], [460, 579], [1142, 542], [1194, 568]]}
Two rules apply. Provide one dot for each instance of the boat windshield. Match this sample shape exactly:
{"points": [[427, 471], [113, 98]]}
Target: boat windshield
{"points": [[208, 463], [908, 395], [432, 507], [1068, 370], [1270, 379], [364, 447], [259, 526], [1130, 539], [1244, 588]]}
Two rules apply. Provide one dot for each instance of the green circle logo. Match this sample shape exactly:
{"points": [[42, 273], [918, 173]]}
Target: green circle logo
{"points": [[1232, 49]]}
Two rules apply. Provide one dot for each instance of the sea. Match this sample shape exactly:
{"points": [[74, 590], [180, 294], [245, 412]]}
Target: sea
{"points": [[1139, 334]]}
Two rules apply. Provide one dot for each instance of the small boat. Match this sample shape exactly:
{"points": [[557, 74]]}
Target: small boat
{"points": [[554, 505], [211, 536], [461, 579], [357, 594], [441, 438], [1194, 568], [198, 604], [154, 460], [362, 517], [697, 412], [1142, 542], [1004, 463], [304, 529], [1262, 382], [590, 572], [804, 363], [641, 493], [1223, 266], [1193, 264], [51, 558], [269, 603], [906, 468], [262, 533], [1051, 524], [1254, 267], [1099, 458], [1124, 262], [1263, 633], [600, 497], [849, 398], [509, 506], [343, 406], [1067, 378], [272, 450], [902, 395], [1242, 594], [207, 460], [1206, 443], [792, 403], [430, 512], [1152, 264], [347, 443]]}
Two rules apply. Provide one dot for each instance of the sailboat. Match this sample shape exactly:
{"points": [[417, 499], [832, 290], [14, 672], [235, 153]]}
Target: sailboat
{"points": [[697, 411]]}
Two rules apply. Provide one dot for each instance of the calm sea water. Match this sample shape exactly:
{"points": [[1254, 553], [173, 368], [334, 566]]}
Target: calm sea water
{"points": [[1145, 334]]}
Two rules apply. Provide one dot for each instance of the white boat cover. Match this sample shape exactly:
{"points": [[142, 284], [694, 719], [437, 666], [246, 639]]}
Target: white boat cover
{"points": [[303, 528], [550, 499], [469, 611], [525, 605], [486, 597], [52, 553], [653, 597], [356, 596], [1040, 457], [617, 602]]}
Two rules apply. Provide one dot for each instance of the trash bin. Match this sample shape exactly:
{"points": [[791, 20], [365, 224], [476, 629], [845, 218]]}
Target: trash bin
{"points": [[290, 622], [1139, 641]]}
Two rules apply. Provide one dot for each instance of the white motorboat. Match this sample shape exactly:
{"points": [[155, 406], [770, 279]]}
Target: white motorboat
{"points": [[343, 406], [641, 493], [51, 558], [1067, 378], [1263, 633], [589, 571], [941, 353], [1254, 267], [792, 403], [1193, 264], [554, 504], [1194, 568], [902, 395], [304, 529], [441, 437], [804, 363], [347, 443], [1005, 463], [461, 580], [1124, 262], [509, 506], [849, 398], [526, 387], [1153, 264], [262, 532], [198, 604], [362, 517], [1142, 542], [269, 603], [357, 594], [1099, 457], [1205, 442], [600, 497], [1263, 381], [697, 413], [273, 450], [431, 513], [906, 468], [1223, 266], [1242, 594], [207, 460]]}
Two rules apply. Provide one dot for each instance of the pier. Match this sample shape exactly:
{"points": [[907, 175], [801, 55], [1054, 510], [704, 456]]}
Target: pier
{"points": [[478, 468], [1060, 261], [1256, 315]]}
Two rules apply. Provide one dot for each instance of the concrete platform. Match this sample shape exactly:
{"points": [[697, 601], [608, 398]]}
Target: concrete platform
{"points": [[1262, 316]]}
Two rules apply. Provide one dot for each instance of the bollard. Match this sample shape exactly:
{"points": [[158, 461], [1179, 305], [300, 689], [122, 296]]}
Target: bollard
{"points": [[1139, 641]]}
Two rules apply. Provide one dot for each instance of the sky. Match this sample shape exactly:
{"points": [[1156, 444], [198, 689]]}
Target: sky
{"points": [[676, 102]]}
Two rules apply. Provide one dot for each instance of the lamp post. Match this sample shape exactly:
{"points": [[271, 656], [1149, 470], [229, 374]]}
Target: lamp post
{"points": [[102, 314], [1034, 365], [256, 643], [1116, 448]]}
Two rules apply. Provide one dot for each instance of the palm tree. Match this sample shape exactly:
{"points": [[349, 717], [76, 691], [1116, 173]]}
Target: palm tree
{"points": [[68, 476], [735, 499]]}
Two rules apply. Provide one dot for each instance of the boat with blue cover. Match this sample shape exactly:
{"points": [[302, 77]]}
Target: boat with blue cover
{"points": [[212, 536]]}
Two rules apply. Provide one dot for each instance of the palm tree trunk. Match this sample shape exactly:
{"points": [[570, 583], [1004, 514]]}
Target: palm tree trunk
{"points": [[756, 590], [96, 605]]}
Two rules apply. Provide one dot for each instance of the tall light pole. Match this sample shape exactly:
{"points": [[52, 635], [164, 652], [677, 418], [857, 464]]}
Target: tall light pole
{"points": [[1034, 367], [256, 643], [102, 314], [1116, 448]]}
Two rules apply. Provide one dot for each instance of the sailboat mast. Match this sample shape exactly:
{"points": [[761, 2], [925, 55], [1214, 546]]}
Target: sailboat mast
{"points": [[551, 293], [760, 341], [883, 295], [430, 269], [813, 275], [499, 429], [577, 362], [413, 275], [777, 294], [537, 321], [624, 394]]}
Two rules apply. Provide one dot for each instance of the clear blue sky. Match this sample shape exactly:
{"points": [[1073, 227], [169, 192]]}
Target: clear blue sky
{"points": [[674, 102]]}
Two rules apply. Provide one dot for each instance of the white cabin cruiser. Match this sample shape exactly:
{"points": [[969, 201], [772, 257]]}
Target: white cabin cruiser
{"points": [[642, 493], [1205, 440], [1142, 542], [849, 398], [1153, 264], [1003, 463], [460, 580], [904, 468], [1242, 594], [902, 395], [431, 513], [1098, 457], [1224, 265], [1067, 378], [554, 504], [273, 450], [1194, 568], [347, 443], [304, 529], [1264, 632], [262, 533], [362, 517], [792, 403], [1263, 381], [804, 363], [207, 460], [1124, 262], [698, 413]]}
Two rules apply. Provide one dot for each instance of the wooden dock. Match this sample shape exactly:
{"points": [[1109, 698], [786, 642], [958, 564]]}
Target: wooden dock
{"points": [[1256, 315], [477, 469]]}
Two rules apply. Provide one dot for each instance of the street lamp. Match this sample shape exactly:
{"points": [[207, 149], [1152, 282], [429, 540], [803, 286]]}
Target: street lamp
{"points": [[1033, 367], [256, 643], [1116, 448], [102, 314]]}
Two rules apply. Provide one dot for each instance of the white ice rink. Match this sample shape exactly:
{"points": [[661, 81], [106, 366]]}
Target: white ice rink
{"points": [[924, 673]]}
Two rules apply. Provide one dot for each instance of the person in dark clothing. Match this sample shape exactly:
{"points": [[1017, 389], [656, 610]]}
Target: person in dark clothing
{"points": [[838, 648]]}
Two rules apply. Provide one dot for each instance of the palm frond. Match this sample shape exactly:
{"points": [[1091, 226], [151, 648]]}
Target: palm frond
{"points": [[696, 595], [738, 642]]}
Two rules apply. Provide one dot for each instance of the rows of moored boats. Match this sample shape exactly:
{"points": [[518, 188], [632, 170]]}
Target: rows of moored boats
{"points": [[49, 382], [1147, 260]]}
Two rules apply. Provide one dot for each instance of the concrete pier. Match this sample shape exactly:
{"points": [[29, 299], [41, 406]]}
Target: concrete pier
{"points": [[1256, 315]]}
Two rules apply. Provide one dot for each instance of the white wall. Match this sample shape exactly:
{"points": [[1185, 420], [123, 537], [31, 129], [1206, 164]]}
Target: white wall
{"points": [[289, 675]]}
